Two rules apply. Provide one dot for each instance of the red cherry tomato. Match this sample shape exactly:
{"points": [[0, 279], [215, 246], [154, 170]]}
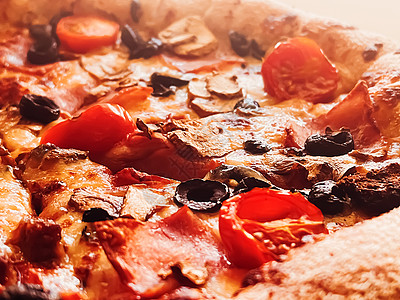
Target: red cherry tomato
{"points": [[82, 34], [97, 129], [298, 68], [260, 225]]}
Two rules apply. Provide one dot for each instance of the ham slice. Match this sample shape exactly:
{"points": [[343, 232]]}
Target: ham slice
{"points": [[353, 112], [144, 255]]}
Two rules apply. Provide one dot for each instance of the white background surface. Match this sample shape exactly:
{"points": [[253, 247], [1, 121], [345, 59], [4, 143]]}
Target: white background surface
{"points": [[381, 16]]}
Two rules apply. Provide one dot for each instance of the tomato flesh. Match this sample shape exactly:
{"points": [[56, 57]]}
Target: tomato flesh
{"points": [[96, 130], [297, 68], [82, 34], [260, 225]]}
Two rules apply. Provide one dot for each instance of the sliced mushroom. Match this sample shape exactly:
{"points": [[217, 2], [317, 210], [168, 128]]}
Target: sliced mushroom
{"points": [[224, 86], [189, 37], [111, 66], [208, 107], [214, 94], [198, 89]]}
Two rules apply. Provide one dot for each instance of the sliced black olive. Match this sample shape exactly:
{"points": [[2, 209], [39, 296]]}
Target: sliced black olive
{"points": [[328, 197], [201, 195], [42, 36], [247, 104], [131, 38], [137, 46], [239, 43], [39, 108], [38, 54], [96, 214], [256, 147], [150, 48], [26, 292], [329, 144], [167, 81], [256, 51], [136, 11], [248, 183], [162, 84]]}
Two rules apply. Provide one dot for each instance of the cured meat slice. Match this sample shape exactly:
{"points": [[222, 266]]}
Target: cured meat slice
{"points": [[354, 113], [144, 255]]}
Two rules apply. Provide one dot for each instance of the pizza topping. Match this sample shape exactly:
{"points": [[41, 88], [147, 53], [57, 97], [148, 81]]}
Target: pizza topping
{"points": [[243, 47], [297, 68], [224, 86], [45, 46], [84, 199], [96, 214], [330, 143], [136, 44], [201, 195], [136, 10], [248, 183], [42, 56], [38, 239], [27, 291], [144, 255], [232, 175], [82, 34], [377, 191], [162, 84], [247, 106], [42, 35], [197, 88], [87, 133], [328, 197], [189, 37], [39, 108], [256, 147], [355, 113], [263, 224], [110, 66]]}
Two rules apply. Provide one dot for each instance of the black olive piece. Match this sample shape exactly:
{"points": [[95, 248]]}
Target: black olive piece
{"points": [[256, 147], [247, 103], [96, 214], [162, 84], [161, 91], [328, 197], [150, 48], [167, 81], [42, 36], [329, 144], [239, 43], [201, 195], [131, 38], [26, 292], [39, 108], [38, 55], [256, 51], [248, 183], [136, 11]]}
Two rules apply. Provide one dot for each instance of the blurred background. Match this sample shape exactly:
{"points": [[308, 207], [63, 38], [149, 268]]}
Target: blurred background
{"points": [[381, 16]]}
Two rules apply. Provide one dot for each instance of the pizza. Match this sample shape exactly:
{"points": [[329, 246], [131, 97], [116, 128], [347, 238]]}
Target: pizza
{"points": [[212, 149]]}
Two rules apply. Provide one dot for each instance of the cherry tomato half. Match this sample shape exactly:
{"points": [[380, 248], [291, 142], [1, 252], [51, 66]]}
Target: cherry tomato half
{"points": [[97, 129], [260, 225], [298, 68], [82, 34]]}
